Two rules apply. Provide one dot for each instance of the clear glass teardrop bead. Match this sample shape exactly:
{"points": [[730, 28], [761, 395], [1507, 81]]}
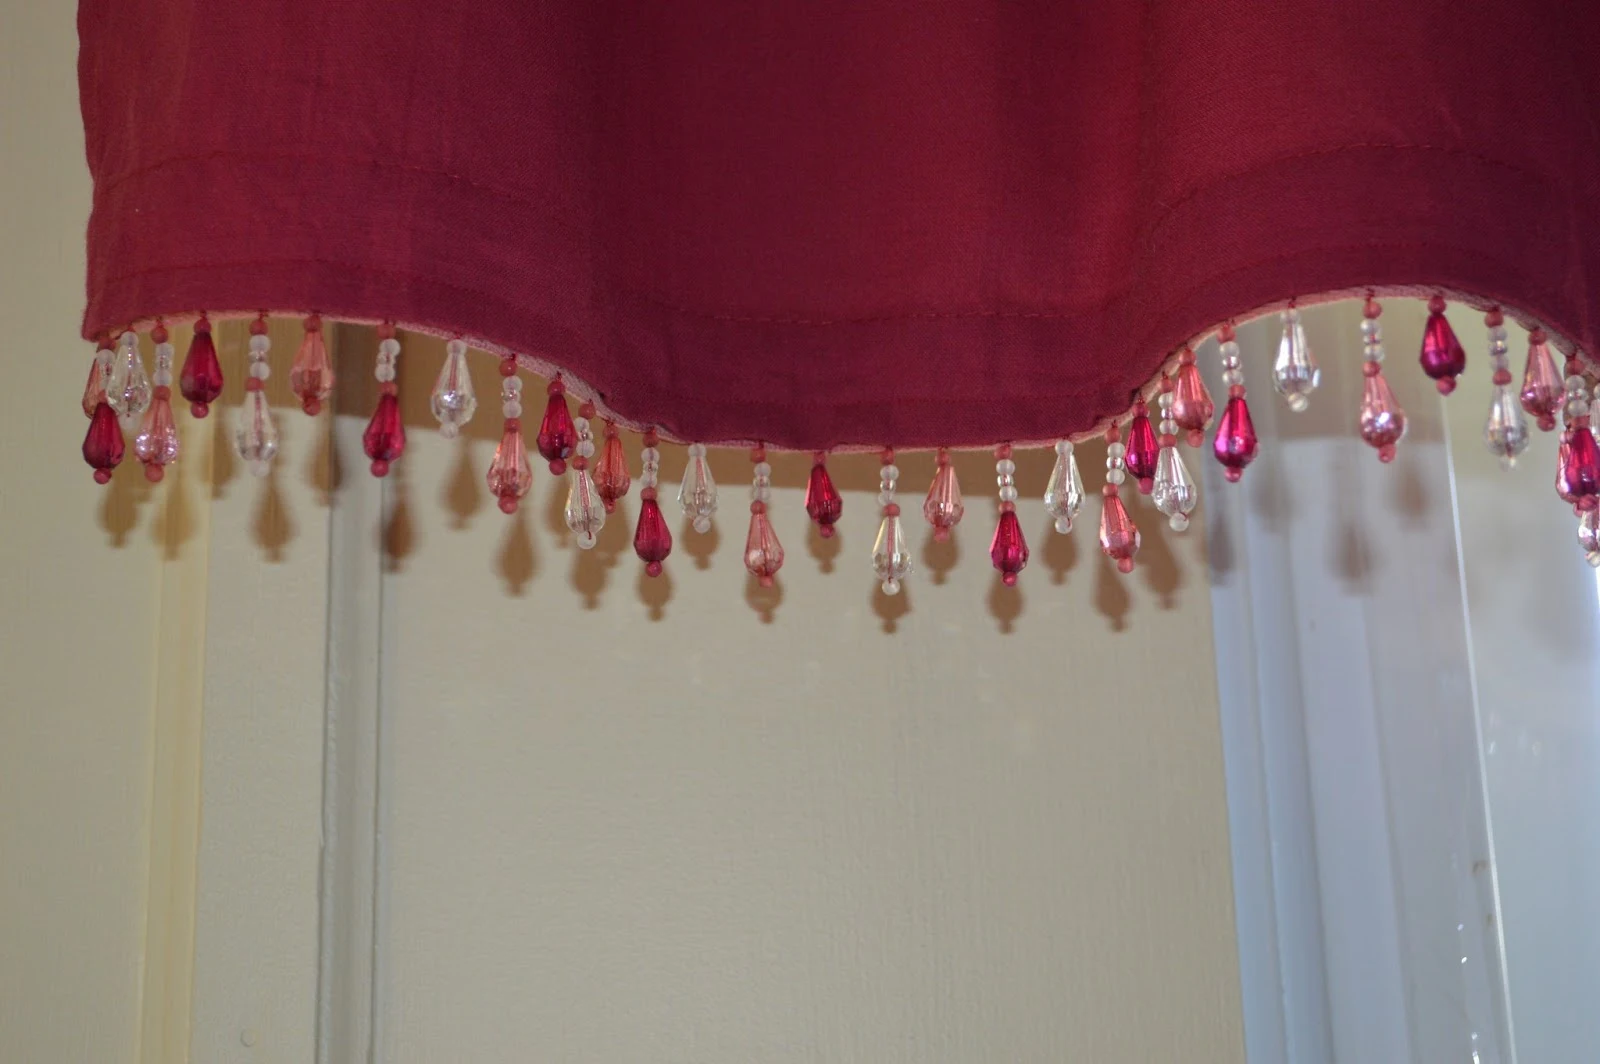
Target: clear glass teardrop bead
{"points": [[1175, 492], [1505, 432], [453, 399], [255, 438], [128, 391], [586, 511], [698, 493], [1063, 498], [1295, 373], [891, 559]]}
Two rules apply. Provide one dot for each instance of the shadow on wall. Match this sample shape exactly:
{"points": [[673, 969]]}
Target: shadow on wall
{"points": [[1056, 559]]}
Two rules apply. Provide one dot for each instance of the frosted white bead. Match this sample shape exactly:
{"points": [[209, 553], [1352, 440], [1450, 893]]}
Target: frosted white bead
{"points": [[513, 384], [702, 524], [1116, 476], [1230, 352], [1576, 385], [1168, 427], [1164, 400], [164, 352], [761, 492], [162, 376], [580, 425], [1005, 467], [891, 586], [1498, 350], [1371, 330], [1063, 447], [586, 540], [260, 344], [456, 348], [1116, 450], [384, 372], [1063, 525], [647, 478], [260, 370], [885, 498], [1373, 353], [1577, 407], [1231, 377], [763, 469], [1498, 334], [585, 447], [1008, 493], [389, 348], [650, 456], [1179, 522], [890, 472]]}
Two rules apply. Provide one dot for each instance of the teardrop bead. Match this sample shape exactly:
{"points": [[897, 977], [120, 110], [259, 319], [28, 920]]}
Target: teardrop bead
{"points": [[943, 507], [1383, 422], [652, 540], [763, 554], [1542, 384], [1505, 431], [891, 560], [156, 445], [311, 373], [698, 492], [1175, 493], [557, 434], [1140, 458], [385, 438], [1295, 373], [1119, 536], [1580, 466], [200, 379], [823, 501], [453, 399], [102, 444], [585, 512], [1008, 550], [255, 439], [129, 390], [510, 475], [1192, 407], [94, 390], [611, 477], [1235, 445], [1063, 498], [1443, 358]]}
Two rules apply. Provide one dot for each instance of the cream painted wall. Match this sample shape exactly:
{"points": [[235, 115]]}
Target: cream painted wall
{"points": [[620, 820]]}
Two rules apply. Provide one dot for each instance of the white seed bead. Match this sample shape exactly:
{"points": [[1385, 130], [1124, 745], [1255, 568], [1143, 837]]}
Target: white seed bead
{"points": [[891, 586], [1179, 522], [260, 344], [456, 348], [1577, 407], [1116, 450], [763, 469], [1116, 475], [1498, 334], [1008, 493], [585, 448], [702, 524], [389, 348], [650, 456], [1371, 330], [1230, 377], [1005, 467], [760, 492], [1576, 385], [260, 370], [580, 425], [165, 351], [513, 384], [890, 472], [1373, 353], [1168, 427], [384, 372], [1230, 352], [1063, 525], [647, 478], [1063, 447], [1164, 400], [162, 377]]}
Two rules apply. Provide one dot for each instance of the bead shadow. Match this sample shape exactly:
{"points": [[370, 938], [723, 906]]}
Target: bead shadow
{"points": [[516, 562]]}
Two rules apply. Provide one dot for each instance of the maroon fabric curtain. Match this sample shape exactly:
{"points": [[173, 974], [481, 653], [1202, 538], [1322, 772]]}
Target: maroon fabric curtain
{"points": [[828, 222]]}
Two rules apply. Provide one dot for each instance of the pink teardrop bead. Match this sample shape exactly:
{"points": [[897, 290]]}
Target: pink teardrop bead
{"points": [[1579, 481], [1192, 407], [611, 477], [652, 540], [1443, 358], [1119, 536], [763, 554], [94, 392], [510, 476], [200, 379], [943, 507], [1235, 445], [1143, 450], [1543, 390], [311, 375], [385, 438], [823, 501], [1008, 550], [1383, 423], [156, 444], [557, 434], [102, 445]]}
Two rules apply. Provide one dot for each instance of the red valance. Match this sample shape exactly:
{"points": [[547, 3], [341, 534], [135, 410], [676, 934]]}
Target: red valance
{"points": [[839, 221]]}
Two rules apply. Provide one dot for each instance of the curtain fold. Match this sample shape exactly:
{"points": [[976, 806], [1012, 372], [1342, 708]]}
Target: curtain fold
{"points": [[841, 221]]}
